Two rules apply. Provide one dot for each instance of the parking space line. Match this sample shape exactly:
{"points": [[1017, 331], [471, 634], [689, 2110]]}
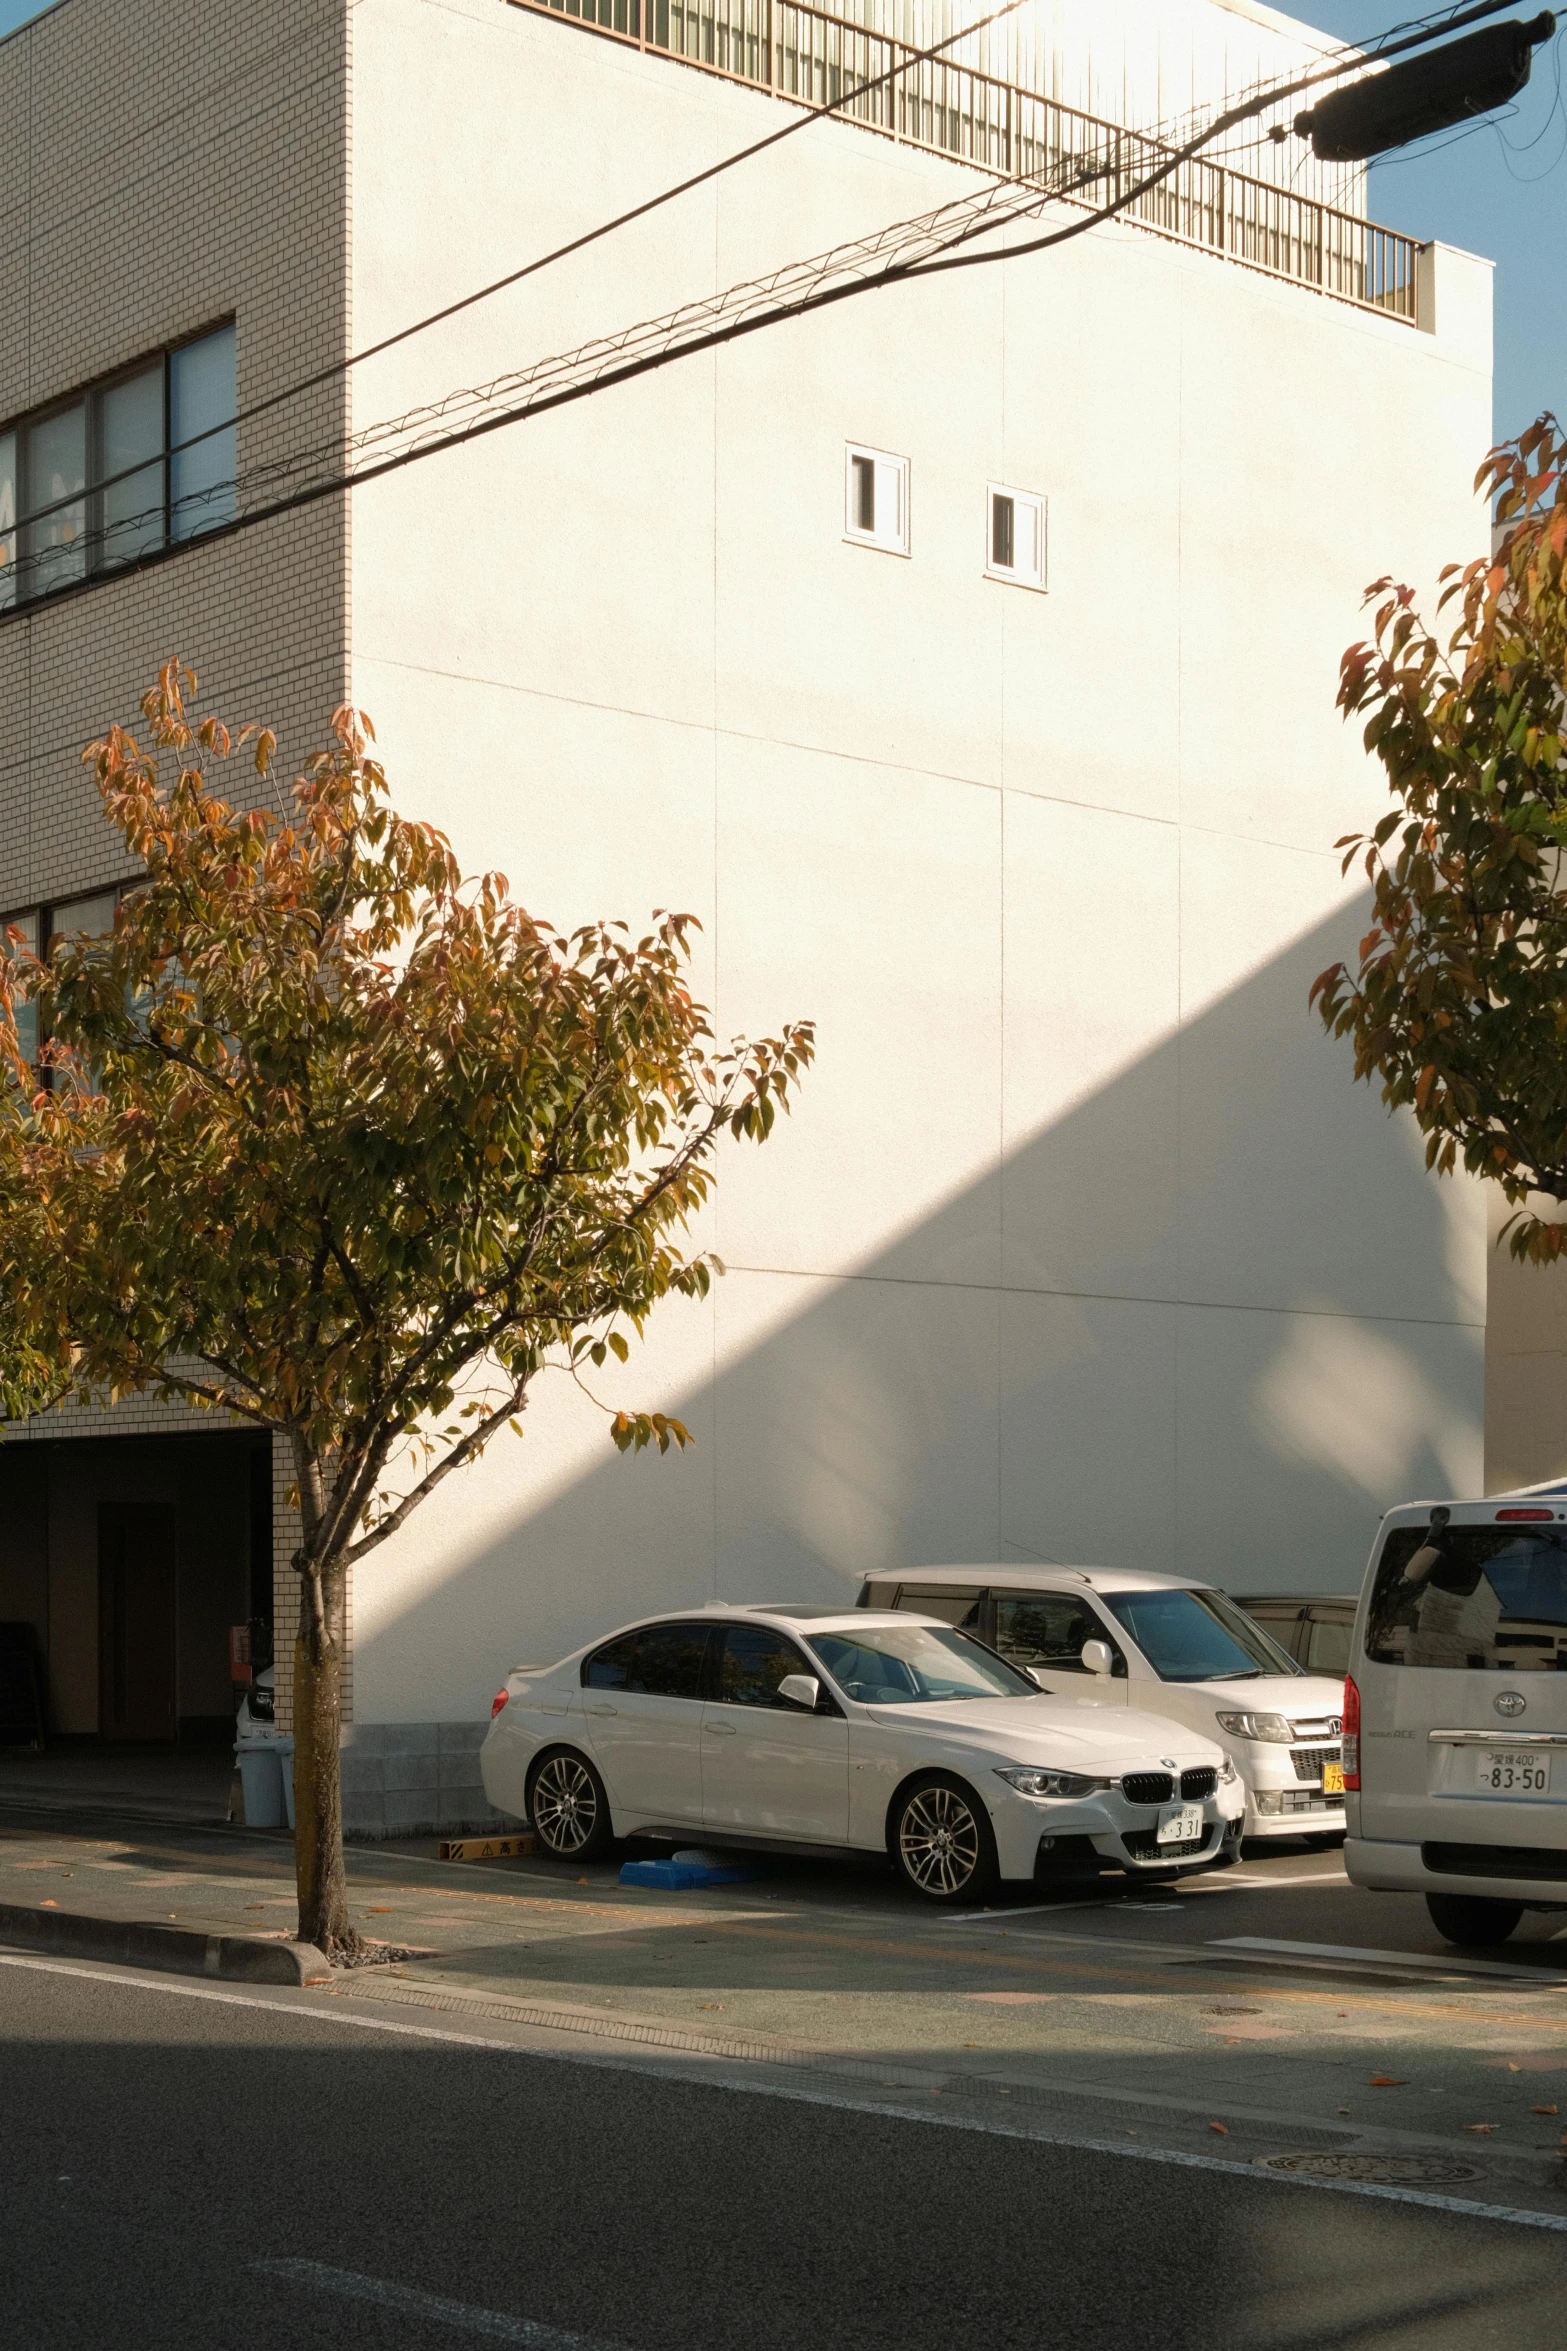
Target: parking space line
{"points": [[463, 2317], [1454, 1965]]}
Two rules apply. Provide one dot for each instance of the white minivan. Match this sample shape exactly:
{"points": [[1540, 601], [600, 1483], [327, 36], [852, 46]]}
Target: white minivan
{"points": [[1168, 1645], [1455, 1712]]}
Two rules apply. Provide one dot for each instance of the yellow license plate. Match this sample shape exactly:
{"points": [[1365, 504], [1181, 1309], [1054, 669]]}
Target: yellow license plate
{"points": [[1333, 1779]]}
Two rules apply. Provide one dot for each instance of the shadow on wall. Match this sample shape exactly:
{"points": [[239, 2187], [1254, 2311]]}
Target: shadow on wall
{"points": [[1232, 1320]]}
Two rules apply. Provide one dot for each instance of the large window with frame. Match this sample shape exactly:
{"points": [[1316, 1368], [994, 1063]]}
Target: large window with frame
{"points": [[38, 928], [140, 463]]}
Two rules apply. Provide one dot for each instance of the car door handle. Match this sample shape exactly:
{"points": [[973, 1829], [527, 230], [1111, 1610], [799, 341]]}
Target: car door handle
{"points": [[719, 1730], [601, 1710]]}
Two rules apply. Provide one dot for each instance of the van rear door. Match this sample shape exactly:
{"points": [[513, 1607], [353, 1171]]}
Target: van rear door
{"points": [[1463, 1682]]}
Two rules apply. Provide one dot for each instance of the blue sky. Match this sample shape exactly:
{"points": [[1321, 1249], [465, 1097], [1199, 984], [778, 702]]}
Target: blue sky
{"points": [[1500, 190]]}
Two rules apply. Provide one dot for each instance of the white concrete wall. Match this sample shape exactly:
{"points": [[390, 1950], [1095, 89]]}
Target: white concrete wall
{"points": [[1081, 1244]]}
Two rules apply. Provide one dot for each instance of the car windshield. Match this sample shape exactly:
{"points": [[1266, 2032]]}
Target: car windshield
{"points": [[1487, 1598], [915, 1664], [1197, 1636]]}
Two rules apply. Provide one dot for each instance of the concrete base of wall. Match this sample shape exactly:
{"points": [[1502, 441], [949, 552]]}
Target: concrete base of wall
{"points": [[414, 1779]]}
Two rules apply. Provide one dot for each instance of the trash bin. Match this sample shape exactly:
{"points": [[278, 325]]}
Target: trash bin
{"points": [[284, 1749], [263, 1782]]}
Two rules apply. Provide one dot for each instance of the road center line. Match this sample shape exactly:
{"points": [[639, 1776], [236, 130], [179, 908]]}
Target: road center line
{"points": [[464, 2317]]}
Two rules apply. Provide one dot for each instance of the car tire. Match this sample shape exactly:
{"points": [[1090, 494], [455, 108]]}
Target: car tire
{"points": [[941, 1841], [568, 1806], [1473, 1918]]}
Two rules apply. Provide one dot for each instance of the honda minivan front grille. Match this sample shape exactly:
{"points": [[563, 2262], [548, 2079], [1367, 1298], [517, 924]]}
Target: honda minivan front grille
{"points": [[1310, 1760]]}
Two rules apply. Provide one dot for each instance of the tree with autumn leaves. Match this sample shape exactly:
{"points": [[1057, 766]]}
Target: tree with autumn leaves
{"points": [[1458, 1003], [328, 1140]]}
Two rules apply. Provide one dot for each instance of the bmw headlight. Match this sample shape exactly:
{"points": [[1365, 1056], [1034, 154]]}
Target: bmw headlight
{"points": [[1031, 1780], [1272, 1729], [1228, 1774]]}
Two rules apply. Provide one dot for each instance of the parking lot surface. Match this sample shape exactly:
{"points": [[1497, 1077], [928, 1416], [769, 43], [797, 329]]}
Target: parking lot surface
{"points": [[1268, 2011]]}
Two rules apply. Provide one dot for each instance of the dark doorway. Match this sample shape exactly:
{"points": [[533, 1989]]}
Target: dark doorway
{"points": [[137, 1663]]}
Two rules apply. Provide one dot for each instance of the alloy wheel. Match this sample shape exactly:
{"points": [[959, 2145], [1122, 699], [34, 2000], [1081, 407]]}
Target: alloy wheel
{"points": [[939, 1841], [565, 1805]]}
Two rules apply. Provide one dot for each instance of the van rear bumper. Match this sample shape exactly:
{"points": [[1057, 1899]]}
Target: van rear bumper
{"points": [[1519, 1873]]}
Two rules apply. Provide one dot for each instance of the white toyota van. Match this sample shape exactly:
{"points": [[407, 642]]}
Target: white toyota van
{"points": [[1166, 1644], [1455, 1712]]}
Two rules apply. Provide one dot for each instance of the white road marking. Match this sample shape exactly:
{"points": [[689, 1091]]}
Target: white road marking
{"points": [[1178, 2157], [1453, 1964], [464, 2317], [1121, 1899], [1232, 1885]]}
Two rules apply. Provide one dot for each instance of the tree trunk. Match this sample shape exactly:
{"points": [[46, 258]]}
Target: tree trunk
{"points": [[318, 1790]]}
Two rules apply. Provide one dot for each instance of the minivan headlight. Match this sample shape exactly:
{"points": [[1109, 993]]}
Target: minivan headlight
{"points": [[1030, 1780], [1271, 1728]]}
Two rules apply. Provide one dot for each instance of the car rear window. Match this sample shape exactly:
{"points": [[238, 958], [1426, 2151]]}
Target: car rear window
{"points": [[1471, 1598]]}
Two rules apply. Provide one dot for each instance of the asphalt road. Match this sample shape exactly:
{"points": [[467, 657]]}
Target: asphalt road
{"points": [[179, 2170]]}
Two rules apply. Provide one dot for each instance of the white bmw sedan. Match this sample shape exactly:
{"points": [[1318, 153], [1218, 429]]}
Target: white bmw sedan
{"points": [[864, 1729]]}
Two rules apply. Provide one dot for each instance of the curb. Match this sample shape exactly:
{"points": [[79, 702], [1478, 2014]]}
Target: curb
{"points": [[242, 1959]]}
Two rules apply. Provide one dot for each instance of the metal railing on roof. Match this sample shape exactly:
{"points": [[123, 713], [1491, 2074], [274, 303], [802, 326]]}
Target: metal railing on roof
{"points": [[948, 108]]}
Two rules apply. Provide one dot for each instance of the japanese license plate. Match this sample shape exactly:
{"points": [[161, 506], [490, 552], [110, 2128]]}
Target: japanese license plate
{"points": [[1333, 1779], [1514, 1771], [1182, 1825]]}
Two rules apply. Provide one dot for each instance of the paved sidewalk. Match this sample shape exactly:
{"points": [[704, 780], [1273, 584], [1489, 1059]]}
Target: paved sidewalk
{"points": [[1136, 2005]]}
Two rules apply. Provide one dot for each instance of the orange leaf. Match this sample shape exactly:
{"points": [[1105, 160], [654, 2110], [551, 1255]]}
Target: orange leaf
{"points": [[1222, 2128], [1386, 2081]]}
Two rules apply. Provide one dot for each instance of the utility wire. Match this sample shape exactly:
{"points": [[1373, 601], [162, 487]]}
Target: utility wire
{"points": [[908, 249], [341, 367]]}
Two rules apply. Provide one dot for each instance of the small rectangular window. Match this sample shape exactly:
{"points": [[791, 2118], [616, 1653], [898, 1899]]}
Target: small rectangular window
{"points": [[131, 430], [876, 500], [55, 468], [201, 435], [1015, 536], [26, 1015], [1002, 511], [7, 520], [864, 516]]}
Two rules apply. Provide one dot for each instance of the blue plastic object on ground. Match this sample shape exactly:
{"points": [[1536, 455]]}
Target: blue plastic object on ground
{"points": [[677, 1876]]}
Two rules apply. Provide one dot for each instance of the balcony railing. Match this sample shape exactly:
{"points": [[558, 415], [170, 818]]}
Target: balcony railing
{"points": [[806, 54]]}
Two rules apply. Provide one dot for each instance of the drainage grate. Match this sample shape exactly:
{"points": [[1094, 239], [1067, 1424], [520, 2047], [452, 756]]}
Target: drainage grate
{"points": [[1382, 2171]]}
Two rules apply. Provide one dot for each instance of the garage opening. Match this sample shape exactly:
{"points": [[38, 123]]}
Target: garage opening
{"points": [[131, 1569]]}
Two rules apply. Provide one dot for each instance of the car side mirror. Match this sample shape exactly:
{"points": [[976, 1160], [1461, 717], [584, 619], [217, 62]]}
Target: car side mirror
{"points": [[1036, 1673], [801, 1690], [1097, 1657]]}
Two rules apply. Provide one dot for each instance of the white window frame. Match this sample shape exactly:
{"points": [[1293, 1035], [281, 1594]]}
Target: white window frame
{"points": [[1031, 502], [891, 478]]}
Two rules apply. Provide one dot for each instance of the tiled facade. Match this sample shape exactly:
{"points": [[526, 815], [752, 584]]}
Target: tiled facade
{"points": [[218, 187]]}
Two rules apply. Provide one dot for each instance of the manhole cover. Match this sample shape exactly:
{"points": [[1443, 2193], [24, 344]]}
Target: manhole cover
{"points": [[1383, 2171]]}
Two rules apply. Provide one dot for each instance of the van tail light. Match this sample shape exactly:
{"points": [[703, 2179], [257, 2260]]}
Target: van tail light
{"points": [[1503, 1515], [497, 1702], [1351, 1734]]}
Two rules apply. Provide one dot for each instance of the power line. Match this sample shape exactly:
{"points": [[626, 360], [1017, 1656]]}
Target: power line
{"points": [[341, 367], [1171, 131], [909, 249]]}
